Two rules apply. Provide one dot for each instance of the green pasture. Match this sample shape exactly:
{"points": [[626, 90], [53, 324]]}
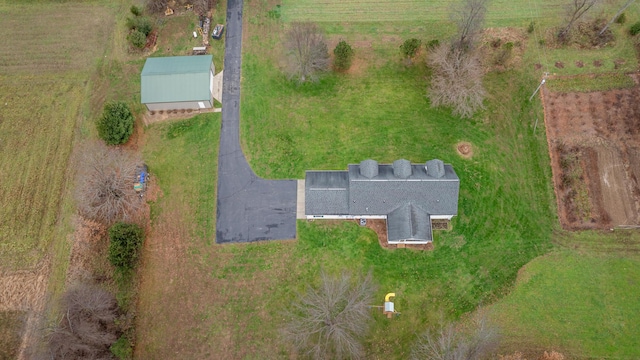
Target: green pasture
{"points": [[580, 298]]}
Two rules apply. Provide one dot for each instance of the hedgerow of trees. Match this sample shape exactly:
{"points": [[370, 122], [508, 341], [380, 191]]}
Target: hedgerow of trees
{"points": [[307, 55], [330, 321], [116, 124]]}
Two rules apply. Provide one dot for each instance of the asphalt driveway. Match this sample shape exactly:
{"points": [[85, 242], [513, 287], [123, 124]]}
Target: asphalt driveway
{"points": [[249, 208]]}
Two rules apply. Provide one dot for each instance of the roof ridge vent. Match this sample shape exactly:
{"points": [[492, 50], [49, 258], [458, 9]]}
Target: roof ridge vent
{"points": [[369, 168], [435, 168], [402, 168]]}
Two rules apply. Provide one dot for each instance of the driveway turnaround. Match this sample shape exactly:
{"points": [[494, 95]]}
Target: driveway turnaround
{"points": [[249, 208]]}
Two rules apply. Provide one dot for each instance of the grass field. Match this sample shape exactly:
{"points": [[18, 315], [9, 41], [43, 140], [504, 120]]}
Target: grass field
{"points": [[578, 298], [500, 12], [44, 76]]}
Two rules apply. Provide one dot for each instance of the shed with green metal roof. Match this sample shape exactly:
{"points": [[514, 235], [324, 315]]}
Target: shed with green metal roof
{"points": [[177, 82]]}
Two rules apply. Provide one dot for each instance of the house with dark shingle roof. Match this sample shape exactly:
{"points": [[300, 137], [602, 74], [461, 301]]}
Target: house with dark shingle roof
{"points": [[407, 195], [178, 82]]}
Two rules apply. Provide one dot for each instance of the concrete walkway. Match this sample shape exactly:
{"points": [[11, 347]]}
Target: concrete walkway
{"points": [[249, 208], [217, 86]]}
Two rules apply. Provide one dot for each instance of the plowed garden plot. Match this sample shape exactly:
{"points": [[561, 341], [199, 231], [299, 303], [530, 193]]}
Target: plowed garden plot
{"points": [[594, 141]]}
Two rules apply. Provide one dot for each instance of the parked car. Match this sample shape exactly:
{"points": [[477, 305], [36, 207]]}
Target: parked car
{"points": [[217, 31]]}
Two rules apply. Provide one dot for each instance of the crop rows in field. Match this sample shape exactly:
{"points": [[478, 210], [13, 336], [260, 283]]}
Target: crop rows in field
{"points": [[50, 37], [500, 12], [36, 132]]}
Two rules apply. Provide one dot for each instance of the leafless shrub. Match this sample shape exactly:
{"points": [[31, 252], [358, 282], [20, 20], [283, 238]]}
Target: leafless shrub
{"points": [[328, 322], [201, 6], [156, 6], [456, 81], [105, 186], [87, 328], [451, 343], [575, 10], [306, 51], [468, 15]]}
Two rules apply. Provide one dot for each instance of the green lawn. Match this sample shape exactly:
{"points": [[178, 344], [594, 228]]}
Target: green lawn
{"points": [[580, 299]]}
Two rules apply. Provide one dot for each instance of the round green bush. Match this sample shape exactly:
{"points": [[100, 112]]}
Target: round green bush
{"points": [[137, 39], [635, 29], [410, 47], [124, 247], [136, 11], [140, 23], [343, 56], [116, 124]]}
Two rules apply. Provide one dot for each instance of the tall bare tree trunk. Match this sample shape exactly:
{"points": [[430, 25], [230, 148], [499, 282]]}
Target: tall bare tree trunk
{"points": [[615, 17]]}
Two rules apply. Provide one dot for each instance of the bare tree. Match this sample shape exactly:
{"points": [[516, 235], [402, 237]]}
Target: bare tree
{"points": [[87, 328], [451, 343], [306, 51], [201, 6], [468, 15], [575, 10], [328, 322], [105, 183], [615, 17], [157, 6], [456, 80]]}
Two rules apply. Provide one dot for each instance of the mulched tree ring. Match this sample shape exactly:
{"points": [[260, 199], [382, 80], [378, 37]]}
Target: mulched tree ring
{"points": [[559, 65], [579, 64], [464, 149], [597, 63], [537, 66]]}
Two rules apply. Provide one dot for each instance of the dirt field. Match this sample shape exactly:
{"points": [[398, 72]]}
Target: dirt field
{"points": [[594, 140]]}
